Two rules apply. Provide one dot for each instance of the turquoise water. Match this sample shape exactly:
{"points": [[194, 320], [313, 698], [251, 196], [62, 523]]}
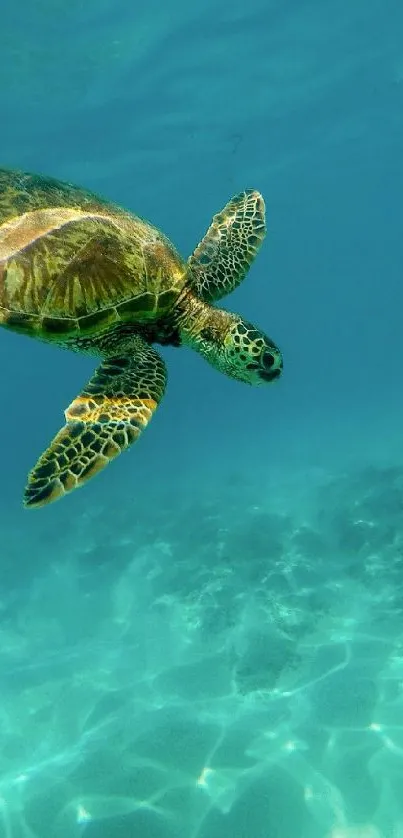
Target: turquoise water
{"points": [[206, 641]]}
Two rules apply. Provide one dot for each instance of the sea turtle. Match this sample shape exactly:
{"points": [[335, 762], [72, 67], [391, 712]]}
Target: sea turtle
{"points": [[80, 272]]}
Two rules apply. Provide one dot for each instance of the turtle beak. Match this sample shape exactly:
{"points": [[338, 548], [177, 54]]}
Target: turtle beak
{"points": [[269, 375]]}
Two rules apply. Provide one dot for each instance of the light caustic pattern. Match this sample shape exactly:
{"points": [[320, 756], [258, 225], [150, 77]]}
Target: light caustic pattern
{"points": [[212, 682]]}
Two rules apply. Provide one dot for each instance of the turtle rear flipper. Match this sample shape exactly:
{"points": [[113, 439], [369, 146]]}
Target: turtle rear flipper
{"points": [[225, 254], [105, 419]]}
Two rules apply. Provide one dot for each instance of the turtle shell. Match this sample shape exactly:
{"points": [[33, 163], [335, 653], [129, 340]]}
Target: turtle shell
{"points": [[72, 263]]}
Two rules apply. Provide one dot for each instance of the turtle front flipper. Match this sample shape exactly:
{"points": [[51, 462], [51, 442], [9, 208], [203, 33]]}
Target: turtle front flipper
{"points": [[107, 417], [225, 254]]}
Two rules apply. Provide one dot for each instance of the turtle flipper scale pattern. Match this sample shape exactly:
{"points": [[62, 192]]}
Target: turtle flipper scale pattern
{"points": [[225, 254], [105, 419]]}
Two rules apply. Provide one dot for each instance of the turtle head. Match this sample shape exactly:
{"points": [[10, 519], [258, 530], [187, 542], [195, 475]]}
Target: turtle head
{"points": [[233, 345], [249, 355]]}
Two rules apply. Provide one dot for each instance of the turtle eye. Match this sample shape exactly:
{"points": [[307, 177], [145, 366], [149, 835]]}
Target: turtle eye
{"points": [[268, 359]]}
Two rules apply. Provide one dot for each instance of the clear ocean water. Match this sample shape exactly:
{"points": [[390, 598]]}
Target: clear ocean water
{"points": [[207, 640]]}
